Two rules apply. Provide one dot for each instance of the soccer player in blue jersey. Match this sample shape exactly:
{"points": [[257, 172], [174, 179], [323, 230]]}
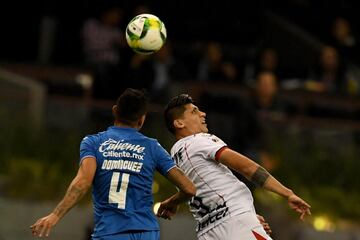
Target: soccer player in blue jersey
{"points": [[119, 164]]}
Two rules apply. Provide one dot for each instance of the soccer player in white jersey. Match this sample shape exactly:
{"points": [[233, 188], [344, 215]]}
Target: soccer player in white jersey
{"points": [[223, 205]]}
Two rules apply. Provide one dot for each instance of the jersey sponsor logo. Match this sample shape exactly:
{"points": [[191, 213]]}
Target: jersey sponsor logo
{"points": [[111, 148], [123, 154], [111, 144], [209, 215], [122, 165]]}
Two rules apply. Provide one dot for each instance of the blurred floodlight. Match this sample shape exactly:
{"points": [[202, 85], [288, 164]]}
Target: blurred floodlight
{"points": [[322, 223], [156, 207], [85, 80]]}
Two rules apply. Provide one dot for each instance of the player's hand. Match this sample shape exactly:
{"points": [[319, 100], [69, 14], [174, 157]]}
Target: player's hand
{"points": [[299, 206], [167, 209], [265, 225], [43, 226]]}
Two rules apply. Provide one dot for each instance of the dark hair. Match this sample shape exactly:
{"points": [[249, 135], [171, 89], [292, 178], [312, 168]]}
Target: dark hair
{"points": [[175, 108], [131, 105]]}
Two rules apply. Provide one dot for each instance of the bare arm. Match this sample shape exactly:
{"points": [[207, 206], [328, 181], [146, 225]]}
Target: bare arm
{"points": [[168, 207], [258, 175], [77, 189]]}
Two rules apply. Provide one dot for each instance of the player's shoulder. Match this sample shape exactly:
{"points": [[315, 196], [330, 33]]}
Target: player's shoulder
{"points": [[148, 140], [207, 137], [93, 137], [199, 139], [143, 137]]}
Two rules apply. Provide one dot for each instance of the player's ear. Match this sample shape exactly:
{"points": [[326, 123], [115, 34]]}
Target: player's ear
{"points": [[114, 110], [141, 121], [178, 123]]}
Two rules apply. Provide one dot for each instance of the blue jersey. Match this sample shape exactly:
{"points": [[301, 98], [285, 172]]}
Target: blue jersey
{"points": [[122, 186]]}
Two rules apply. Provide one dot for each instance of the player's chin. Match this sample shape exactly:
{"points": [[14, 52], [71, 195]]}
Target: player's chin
{"points": [[205, 129]]}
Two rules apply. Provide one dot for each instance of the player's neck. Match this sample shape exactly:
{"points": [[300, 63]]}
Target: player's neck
{"points": [[121, 124], [182, 134]]}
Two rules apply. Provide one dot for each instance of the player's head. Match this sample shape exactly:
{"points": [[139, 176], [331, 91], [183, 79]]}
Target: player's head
{"points": [[183, 117], [131, 108]]}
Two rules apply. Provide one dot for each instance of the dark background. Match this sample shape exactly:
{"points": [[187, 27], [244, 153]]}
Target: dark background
{"points": [[241, 22]]}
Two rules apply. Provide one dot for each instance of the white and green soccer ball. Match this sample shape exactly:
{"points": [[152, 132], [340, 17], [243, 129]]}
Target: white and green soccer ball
{"points": [[146, 33]]}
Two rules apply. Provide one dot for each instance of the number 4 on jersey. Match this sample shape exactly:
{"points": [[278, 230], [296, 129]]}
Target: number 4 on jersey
{"points": [[116, 196]]}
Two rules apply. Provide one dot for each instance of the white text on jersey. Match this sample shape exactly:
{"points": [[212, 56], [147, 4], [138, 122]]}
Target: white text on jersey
{"points": [[122, 165], [111, 144]]}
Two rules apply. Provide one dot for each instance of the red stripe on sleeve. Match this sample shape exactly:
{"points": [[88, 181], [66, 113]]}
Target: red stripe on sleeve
{"points": [[218, 153], [258, 236]]}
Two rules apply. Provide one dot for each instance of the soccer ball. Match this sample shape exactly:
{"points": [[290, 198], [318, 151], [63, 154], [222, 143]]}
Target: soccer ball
{"points": [[146, 34]]}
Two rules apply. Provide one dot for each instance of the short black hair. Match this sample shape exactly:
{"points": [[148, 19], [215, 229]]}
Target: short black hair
{"points": [[131, 105], [175, 108]]}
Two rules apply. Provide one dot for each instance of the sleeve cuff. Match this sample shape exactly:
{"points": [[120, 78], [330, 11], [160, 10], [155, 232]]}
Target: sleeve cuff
{"points": [[87, 156], [218, 153], [170, 168]]}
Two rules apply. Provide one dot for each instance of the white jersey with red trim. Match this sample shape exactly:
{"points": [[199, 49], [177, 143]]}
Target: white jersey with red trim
{"points": [[220, 194]]}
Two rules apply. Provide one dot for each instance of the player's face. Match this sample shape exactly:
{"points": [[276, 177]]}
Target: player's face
{"points": [[193, 120]]}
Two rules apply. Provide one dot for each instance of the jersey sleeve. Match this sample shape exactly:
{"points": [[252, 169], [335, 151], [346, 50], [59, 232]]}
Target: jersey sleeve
{"points": [[210, 146], [87, 148], [163, 160]]}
